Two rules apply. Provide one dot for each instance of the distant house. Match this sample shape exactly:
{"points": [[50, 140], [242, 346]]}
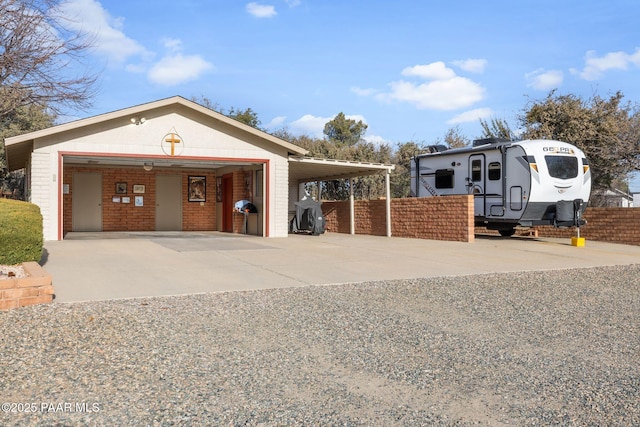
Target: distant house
{"points": [[613, 199], [168, 165]]}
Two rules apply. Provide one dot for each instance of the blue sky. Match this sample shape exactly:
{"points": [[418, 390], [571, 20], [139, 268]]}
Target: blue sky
{"points": [[410, 69]]}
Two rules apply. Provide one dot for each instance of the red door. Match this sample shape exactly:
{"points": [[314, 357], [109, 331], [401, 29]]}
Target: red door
{"points": [[227, 203]]}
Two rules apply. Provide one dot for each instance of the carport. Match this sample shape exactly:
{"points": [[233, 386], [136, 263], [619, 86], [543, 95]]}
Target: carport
{"points": [[309, 169]]}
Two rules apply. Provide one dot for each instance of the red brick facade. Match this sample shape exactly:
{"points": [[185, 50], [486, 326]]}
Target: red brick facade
{"points": [[437, 218], [196, 216], [618, 225], [451, 218]]}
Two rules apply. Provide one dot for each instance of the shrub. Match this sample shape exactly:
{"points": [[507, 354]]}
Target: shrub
{"points": [[20, 232]]}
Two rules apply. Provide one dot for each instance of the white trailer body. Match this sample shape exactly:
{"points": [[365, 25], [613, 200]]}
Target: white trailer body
{"points": [[526, 183]]}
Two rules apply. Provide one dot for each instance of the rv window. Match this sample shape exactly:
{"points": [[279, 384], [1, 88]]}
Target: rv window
{"points": [[562, 167], [494, 171], [444, 178], [476, 170]]}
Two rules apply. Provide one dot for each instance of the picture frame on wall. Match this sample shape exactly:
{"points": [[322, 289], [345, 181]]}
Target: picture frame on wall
{"points": [[138, 189], [126, 200], [197, 189], [139, 201], [219, 189], [121, 188]]}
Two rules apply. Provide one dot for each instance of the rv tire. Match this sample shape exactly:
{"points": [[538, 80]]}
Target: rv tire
{"points": [[508, 232]]}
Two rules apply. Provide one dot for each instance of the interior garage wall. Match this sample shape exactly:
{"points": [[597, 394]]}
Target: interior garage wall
{"points": [[196, 216]]}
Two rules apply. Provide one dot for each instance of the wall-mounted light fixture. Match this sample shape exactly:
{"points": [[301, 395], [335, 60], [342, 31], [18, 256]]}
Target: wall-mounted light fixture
{"points": [[138, 120], [147, 166]]}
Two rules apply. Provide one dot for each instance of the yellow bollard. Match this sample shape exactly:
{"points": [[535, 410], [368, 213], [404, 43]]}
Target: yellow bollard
{"points": [[578, 241]]}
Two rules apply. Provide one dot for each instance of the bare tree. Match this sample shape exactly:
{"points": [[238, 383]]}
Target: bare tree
{"points": [[38, 52], [455, 139], [497, 128]]}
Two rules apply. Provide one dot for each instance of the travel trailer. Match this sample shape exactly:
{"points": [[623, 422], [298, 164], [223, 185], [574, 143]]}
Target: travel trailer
{"points": [[514, 183]]}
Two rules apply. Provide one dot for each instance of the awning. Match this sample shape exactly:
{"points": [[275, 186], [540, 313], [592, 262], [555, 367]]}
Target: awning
{"points": [[310, 169]]}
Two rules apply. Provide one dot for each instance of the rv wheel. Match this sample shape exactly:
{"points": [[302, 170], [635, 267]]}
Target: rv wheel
{"points": [[507, 232]]}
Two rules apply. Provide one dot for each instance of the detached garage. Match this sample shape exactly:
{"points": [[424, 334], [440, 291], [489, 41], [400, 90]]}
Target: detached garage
{"points": [[169, 165]]}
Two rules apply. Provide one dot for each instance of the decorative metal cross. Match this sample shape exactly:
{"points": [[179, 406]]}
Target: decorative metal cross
{"points": [[173, 140]]}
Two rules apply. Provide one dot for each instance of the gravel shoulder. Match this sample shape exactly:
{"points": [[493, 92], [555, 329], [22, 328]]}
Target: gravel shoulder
{"points": [[531, 348]]}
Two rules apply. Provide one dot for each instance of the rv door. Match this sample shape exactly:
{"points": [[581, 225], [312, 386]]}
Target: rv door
{"points": [[476, 182]]}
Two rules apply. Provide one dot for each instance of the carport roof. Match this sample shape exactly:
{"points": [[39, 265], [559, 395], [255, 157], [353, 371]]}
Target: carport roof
{"points": [[309, 169]]}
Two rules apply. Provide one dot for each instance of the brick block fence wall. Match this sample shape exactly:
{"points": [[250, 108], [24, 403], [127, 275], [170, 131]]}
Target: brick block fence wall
{"points": [[451, 218], [618, 225], [36, 288], [435, 218]]}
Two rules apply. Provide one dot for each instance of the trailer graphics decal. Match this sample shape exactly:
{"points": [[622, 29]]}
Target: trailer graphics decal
{"points": [[558, 150], [530, 162], [429, 188]]}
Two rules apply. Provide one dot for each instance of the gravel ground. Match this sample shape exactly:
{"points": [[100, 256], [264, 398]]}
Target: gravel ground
{"points": [[8, 271], [530, 348]]}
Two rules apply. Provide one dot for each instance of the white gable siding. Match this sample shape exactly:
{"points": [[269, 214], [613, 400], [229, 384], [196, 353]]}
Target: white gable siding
{"points": [[44, 192], [121, 137], [280, 199]]}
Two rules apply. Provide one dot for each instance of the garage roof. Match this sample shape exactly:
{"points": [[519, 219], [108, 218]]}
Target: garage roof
{"points": [[19, 148]]}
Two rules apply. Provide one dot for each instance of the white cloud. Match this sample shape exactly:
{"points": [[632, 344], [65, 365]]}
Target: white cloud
{"points": [[471, 116], [176, 69], [276, 121], [136, 68], [310, 125], [446, 94], [433, 71], [109, 39], [293, 3], [544, 80], [261, 10], [443, 90], [471, 65], [375, 139], [363, 92], [314, 125], [595, 66], [356, 117], [171, 44]]}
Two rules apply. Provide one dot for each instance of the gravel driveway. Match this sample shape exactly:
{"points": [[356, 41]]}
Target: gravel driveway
{"points": [[532, 348]]}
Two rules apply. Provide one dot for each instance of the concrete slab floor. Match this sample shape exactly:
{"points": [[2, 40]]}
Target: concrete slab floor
{"points": [[100, 266]]}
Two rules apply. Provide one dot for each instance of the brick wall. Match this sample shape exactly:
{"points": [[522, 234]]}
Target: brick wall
{"points": [[196, 216], [127, 216], [238, 194], [619, 225], [37, 288], [436, 218]]}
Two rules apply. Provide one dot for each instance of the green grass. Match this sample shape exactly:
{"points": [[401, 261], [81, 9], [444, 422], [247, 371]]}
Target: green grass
{"points": [[20, 232]]}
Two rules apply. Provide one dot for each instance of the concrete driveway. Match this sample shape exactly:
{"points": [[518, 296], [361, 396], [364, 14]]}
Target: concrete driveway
{"points": [[100, 266]]}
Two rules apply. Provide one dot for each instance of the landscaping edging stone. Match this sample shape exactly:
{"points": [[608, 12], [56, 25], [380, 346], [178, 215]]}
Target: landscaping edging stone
{"points": [[36, 288]]}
